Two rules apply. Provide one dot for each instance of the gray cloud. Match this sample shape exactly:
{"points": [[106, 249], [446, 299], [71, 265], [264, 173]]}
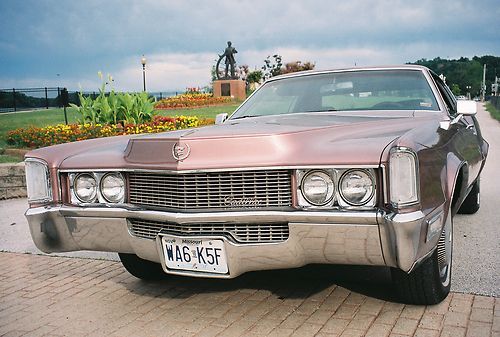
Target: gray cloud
{"points": [[42, 38]]}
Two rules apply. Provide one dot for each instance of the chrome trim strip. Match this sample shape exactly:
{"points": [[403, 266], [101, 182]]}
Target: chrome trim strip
{"points": [[436, 92], [333, 71], [257, 168], [384, 178], [343, 217]]}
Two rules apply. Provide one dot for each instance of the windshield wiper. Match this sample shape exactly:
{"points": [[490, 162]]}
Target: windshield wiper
{"points": [[245, 116], [324, 110]]}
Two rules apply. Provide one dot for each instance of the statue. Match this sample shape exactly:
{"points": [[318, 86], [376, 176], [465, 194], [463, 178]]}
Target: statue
{"points": [[229, 62]]}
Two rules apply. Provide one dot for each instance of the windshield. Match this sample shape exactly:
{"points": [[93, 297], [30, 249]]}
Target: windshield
{"points": [[342, 91]]}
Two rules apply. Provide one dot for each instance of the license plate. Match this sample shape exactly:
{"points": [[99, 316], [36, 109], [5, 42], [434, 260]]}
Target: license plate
{"points": [[205, 255]]}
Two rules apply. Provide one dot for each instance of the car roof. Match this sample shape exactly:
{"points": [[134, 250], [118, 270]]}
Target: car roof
{"points": [[316, 72]]}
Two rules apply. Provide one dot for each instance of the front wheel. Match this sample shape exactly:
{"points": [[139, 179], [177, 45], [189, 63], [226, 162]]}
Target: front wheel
{"points": [[471, 203], [430, 282], [140, 268]]}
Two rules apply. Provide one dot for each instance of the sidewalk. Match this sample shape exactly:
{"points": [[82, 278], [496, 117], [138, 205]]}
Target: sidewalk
{"points": [[60, 296]]}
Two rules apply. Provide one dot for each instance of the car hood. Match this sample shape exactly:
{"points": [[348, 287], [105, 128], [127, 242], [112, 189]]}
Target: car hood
{"points": [[279, 141]]}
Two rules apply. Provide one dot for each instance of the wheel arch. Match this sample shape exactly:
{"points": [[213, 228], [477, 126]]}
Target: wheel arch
{"points": [[457, 178]]}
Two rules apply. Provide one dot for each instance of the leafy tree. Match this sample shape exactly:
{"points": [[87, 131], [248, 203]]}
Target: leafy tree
{"points": [[455, 89], [296, 66], [464, 72], [273, 67], [255, 76]]}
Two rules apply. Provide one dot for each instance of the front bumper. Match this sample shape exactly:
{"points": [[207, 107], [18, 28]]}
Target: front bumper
{"points": [[358, 238]]}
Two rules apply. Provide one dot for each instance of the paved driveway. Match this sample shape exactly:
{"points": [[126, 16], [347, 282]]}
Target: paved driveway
{"points": [[59, 296]]}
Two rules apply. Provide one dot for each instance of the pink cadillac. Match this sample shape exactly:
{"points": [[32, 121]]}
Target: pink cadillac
{"points": [[363, 166]]}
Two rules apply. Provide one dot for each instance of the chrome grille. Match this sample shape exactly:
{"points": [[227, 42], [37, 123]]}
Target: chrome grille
{"points": [[241, 233], [211, 190]]}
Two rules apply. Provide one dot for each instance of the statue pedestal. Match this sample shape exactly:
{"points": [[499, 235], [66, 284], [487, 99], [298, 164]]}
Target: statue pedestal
{"points": [[231, 88]]}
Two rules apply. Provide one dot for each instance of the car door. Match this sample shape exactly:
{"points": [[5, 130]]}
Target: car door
{"points": [[466, 134]]}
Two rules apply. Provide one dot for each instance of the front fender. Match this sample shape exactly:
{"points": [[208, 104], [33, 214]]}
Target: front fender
{"points": [[414, 236]]}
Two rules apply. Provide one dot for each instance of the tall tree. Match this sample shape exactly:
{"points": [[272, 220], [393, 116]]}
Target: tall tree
{"points": [[463, 72]]}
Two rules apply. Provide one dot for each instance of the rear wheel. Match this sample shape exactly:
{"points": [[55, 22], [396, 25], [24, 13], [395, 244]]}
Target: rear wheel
{"points": [[471, 204], [141, 268], [430, 282]]}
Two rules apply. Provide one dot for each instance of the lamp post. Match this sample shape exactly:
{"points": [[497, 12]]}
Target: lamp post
{"points": [[143, 62], [468, 87]]}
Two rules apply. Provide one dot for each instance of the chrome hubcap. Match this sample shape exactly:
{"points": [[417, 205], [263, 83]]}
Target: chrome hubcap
{"points": [[444, 248]]}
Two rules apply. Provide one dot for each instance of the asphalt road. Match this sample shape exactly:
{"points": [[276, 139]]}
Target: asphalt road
{"points": [[476, 255], [476, 248]]}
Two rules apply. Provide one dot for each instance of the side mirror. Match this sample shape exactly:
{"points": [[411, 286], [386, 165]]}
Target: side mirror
{"points": [[220, 118], [466, 108]]}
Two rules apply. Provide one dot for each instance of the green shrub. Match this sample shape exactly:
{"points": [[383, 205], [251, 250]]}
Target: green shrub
{"points": [[494, 112], [135, 108]]}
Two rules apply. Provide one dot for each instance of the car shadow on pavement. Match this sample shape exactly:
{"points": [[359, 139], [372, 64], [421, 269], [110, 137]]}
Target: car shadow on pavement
{"points": [[287, 283]]}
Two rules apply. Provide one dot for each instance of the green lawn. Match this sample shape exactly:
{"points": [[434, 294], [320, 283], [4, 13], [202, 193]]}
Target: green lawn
{"points": [[11, 121], [495, 113], [4, 158]]}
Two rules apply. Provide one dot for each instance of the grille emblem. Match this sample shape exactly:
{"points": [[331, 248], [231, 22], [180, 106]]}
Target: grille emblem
{"points": [[180, 151], [231, 201]]}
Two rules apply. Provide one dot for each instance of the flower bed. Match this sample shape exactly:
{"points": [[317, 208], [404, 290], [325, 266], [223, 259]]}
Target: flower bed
{"points": [[190, 100], [34, 137]]}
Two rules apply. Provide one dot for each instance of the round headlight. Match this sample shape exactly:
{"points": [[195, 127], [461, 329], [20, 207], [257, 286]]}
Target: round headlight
{"points": [[317, 188], [85, 187], [356, 187], [113, 187]]}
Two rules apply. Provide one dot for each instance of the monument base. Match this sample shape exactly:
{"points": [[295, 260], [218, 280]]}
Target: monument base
{"points": [[230, 88]]}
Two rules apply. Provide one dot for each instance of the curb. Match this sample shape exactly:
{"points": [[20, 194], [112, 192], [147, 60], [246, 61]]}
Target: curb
{"points": [[12, 181]]}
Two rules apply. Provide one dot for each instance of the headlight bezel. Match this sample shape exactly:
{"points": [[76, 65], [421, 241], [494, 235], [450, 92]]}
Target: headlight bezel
{"points": [[330, 185], [99, 197], [337, 201], [94, 197], [34, 196], [365, 200], [101, 188]]}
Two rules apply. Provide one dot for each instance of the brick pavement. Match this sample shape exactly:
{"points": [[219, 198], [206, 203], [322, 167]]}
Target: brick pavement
{"points": [[57, 296]]}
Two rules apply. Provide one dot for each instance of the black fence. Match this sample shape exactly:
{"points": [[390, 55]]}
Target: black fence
{"points": [[12, 100], [30, 99]]}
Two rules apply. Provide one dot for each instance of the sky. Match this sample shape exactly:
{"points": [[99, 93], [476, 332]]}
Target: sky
{"points": [[48, 43]]}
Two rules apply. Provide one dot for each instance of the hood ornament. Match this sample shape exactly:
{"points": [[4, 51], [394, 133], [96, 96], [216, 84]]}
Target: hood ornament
{"points": [[180, 151]]}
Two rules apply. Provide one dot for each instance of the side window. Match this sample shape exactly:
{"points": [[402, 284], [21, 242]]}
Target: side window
{"points": [[447, 95]]}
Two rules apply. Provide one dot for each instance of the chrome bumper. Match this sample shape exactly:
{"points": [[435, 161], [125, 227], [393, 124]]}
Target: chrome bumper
{"points": [[358, 238]]}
